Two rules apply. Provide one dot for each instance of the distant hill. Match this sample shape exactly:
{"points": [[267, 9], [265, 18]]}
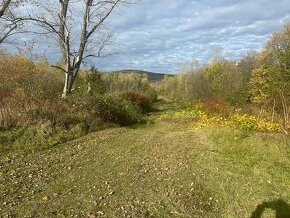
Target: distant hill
{"points": [[151, 76]]}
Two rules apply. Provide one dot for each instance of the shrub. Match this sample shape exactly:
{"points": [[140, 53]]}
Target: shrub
{"points": [[150, 93], [68, 120], [216, 106], [118, 110], [30, 101], [203, 118], [188, 111], [139, 100], [248, 122], [244, 122], [24, 88], [89, 111]]}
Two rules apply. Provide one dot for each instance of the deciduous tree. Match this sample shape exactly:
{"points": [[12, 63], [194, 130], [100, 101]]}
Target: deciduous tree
{"points": [[78, 27], [270, 80]]}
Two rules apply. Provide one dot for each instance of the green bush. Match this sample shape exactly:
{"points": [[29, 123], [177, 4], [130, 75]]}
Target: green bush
{"points": [[118, 110], [68, 120], [61, 120], [89, 111], [33, 116], [139, 100], [151, 94]]}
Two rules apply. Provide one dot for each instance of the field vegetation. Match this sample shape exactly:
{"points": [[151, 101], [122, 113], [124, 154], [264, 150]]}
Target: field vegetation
{"points": [[210, 141]]}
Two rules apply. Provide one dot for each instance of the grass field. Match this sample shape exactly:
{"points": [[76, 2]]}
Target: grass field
{"points": [[162, 169]]}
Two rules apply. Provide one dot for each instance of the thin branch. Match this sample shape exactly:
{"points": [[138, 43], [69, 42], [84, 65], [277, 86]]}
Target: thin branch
{"points": [[60, 68], [100, 56], [42, 23], [102, 19], [8, 33]]}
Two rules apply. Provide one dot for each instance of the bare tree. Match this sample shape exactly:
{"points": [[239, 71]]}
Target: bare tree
{"points": [[78, 27], [9, 22]]}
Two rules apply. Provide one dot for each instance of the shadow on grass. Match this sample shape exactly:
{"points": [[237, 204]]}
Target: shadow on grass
{"points": [[281, 208]]}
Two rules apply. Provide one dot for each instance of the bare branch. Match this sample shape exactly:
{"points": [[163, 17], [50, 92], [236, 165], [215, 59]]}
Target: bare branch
{"points": [[43, 23], [9, 22], [60, 68], [4, 7], [102, 19], [61, 23], [8, 33]]}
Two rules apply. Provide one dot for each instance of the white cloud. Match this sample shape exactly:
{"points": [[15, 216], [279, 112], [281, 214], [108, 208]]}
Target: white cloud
{"points": [[169, 32], [160, 35]]}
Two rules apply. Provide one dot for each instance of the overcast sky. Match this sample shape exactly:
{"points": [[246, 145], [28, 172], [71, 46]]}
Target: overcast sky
{"points": [[159, 35]]}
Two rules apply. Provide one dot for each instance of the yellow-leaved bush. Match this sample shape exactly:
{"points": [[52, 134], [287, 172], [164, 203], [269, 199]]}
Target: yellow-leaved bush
{"points": [[236, 120], [245, 122]]}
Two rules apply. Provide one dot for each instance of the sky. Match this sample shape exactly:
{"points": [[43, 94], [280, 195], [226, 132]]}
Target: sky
{"points": [[161, 35]]}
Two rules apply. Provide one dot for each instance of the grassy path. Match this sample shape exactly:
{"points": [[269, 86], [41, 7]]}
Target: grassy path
{"points": [[163, 169]]}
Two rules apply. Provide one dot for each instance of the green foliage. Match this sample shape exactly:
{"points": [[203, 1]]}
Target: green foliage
{"points": [[94, 82], [139, 100], [68, 120], [124, 82], [30, 94], [273, 74], [260, 78], [160, 170], [225, 81], [30, 102], [222, 79], [90, 110], [201, 116], [90, 82], [37, 137], [118, 110], [269, 84]]}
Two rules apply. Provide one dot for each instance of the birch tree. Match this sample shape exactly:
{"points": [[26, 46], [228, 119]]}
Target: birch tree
{"points": [[78, 27]]}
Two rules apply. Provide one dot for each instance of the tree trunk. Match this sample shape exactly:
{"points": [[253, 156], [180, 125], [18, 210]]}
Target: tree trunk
{"points": [[68, 84], [286, 112], [64, 92], [273, 110]]}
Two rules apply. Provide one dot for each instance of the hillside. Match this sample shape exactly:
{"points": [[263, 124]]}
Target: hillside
{"points": [[151, 76]]}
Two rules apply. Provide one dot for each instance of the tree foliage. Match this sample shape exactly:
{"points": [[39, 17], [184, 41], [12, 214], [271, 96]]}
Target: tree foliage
{"points": [[270, 81]]}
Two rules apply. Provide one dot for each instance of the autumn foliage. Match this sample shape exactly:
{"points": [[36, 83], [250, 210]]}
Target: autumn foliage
{"points": [[256, 85]]}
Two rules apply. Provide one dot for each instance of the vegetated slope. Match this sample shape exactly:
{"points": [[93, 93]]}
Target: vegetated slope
{"points": [[161, 170], [151, 76]]}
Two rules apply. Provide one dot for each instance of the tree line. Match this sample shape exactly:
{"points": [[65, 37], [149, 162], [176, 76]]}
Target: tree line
{"points": [[257, 80]]}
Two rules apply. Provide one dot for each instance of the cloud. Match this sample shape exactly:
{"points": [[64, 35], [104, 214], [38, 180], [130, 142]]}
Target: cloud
{"points": [[160, 35]]}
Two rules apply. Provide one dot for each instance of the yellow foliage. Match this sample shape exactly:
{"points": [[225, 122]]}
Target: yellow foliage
{"points": [[203, 119]]}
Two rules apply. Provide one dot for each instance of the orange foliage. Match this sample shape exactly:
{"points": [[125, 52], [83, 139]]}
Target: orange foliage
{"points": [[21, 88]]}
